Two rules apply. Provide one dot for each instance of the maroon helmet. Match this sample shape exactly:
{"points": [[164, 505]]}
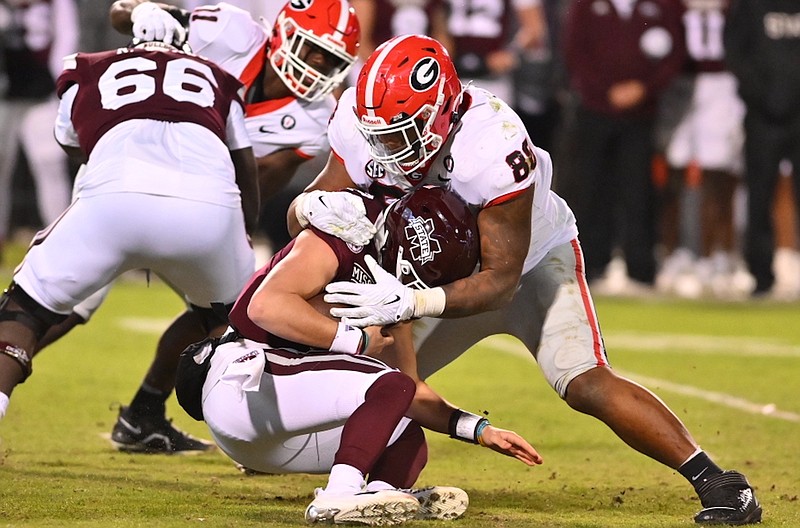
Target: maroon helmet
{"points": [[429, 238]]}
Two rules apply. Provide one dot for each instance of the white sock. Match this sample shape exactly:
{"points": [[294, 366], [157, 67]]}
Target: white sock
{"points": [[344, 480], [379, 485], [3, 404]]}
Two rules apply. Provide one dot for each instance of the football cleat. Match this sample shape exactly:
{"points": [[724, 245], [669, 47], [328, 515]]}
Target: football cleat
{"points": [[728, 498], [153, 435], [371, 508], [440, 503]]}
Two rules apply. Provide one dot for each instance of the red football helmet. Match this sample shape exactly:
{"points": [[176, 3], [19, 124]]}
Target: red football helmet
{"points": [[407, 97], [304, 26], [429, 238]]}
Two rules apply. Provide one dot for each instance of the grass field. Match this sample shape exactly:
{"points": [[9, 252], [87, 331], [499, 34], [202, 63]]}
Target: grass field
{"points": [[730, 371]]}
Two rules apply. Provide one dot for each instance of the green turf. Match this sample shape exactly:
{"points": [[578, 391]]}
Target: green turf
{"points": [[56, 469]]}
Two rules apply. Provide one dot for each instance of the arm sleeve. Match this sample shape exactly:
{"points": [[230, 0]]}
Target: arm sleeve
{"points": [[236, 133], [64, 130]]}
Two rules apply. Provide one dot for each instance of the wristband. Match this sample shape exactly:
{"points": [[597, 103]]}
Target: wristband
{"points": [[429, 303], [479, 431], [349, 340], [466, 426]]}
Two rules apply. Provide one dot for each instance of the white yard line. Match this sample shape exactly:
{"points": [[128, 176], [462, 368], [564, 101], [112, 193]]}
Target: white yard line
{"points": [[511, 346]]}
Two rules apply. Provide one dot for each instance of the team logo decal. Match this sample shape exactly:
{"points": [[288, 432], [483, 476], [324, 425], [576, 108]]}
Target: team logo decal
{"points": [[415, 176], [374, 170], [355, 249], [247, 357], [360, 275], [288, 122], [425, 74], [419, 233], [301, 5]]}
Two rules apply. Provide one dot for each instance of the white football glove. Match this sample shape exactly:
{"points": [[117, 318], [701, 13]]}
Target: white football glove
{"points": [[387, 301], [340, 214], [151, 23]]}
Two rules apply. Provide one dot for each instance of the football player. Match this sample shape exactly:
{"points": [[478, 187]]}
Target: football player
{"points": [[289, 74], [144, 120], [292, 390], [410, 121]]}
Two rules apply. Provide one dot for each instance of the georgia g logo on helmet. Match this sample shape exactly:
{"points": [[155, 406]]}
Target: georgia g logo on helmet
{"points": [[300, 5], [425, 74]]}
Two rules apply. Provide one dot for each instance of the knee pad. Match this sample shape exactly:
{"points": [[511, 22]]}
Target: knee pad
{"points": [[33, 315]]}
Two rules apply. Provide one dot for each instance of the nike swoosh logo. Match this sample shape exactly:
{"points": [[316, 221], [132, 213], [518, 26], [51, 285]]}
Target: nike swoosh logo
{"points": [[396, 299], [698, 475], [265, 130], [133, 428], [320, 198], [442, 178]]}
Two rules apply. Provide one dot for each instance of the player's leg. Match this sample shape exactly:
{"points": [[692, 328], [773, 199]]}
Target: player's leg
{"points": [[142, 426], [573, 359], [209, 265], [278, 411], [52, 279]]}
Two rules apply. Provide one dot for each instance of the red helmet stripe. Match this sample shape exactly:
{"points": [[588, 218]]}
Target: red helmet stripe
{"points": [[344, 17], [372, 75]]}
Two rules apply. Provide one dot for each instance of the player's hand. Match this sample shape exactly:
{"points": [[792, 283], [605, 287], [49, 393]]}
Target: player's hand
{"points": [[510, 444], [387, 301], [151, 23], [340, 214], [376, 341]]}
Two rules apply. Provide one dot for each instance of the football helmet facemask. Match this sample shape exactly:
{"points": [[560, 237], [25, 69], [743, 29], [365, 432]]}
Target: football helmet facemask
{"points": [[407, 99], [428, 238], [313, 46]]}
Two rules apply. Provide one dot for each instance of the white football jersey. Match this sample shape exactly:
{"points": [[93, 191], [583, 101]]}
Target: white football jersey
{"points": [[230, 37], [486, 160]]}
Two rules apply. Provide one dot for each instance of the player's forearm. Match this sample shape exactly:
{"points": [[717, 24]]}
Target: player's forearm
{"points": [[120, 15], [430, 410], [484, 291]]}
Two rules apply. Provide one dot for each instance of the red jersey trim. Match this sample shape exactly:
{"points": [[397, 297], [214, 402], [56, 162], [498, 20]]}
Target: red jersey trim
{"points": [[265, 107], [337, 156], [506, 197], [253, 68], [303, 154]]}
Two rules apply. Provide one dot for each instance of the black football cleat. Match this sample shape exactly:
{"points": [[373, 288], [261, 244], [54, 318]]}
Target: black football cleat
{"points": [[153, 435], [728, 498]]}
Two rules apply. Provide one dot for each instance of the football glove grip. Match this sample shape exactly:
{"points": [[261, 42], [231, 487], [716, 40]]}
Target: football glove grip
{"points": [[151, 23], [387, 301], [340, 214]]}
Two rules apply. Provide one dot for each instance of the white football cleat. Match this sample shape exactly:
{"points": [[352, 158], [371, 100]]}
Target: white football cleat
{"points": [[372, 508], [442, 503]]}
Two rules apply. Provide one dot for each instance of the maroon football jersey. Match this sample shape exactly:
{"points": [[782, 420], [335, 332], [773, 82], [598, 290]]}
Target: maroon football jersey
{"points": [[134, 83], [351, 268], [704, 24]]}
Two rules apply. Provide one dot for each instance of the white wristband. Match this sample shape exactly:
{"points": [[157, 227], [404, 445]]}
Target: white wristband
{"points": [[348, 340], [429, 303]]}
